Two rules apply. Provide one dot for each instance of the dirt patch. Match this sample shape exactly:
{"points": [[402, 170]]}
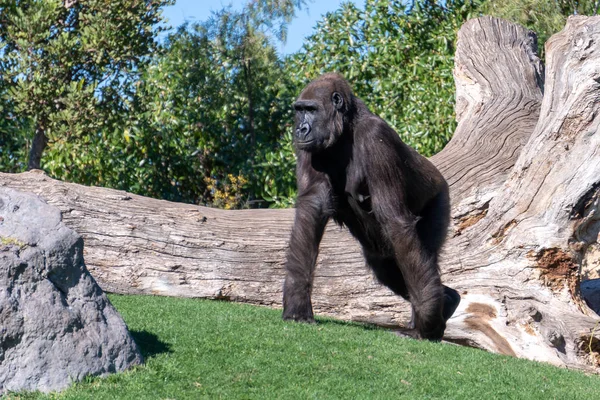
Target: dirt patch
{"points": [[557, 268]]}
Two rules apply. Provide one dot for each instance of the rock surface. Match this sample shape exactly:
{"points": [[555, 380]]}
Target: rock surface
{"points": [[56, 324]]}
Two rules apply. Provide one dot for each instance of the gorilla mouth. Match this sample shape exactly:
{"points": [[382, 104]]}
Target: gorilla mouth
{"points": [[304, 143]]}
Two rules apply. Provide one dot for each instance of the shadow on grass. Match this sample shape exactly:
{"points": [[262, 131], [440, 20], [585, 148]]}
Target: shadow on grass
{"points": [[149, 344], [364, 325]]}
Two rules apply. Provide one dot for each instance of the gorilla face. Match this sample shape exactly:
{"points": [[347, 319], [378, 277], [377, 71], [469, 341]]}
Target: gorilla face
{"points": [[310, 132], [319, 115]]}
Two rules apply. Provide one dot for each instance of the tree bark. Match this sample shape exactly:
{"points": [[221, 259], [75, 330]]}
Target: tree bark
{"points": [[524, 172]]}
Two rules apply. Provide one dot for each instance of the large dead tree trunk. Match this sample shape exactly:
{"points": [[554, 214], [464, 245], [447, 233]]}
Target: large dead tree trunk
{"points": [[524, 231], [524, 170]]}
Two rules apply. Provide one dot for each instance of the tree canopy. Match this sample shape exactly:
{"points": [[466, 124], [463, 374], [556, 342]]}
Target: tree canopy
{"points": [[90, 94], [67, 64]]}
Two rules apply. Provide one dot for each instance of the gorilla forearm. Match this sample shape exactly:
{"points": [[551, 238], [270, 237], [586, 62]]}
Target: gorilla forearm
{"points": [[307, 232]]}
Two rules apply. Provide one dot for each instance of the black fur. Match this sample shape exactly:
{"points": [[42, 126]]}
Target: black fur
{"points": [[354, 168]]}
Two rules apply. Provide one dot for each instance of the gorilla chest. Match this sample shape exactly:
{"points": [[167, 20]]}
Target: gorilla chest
{"points": [[350, 199], [352, 204], [354, 211]]}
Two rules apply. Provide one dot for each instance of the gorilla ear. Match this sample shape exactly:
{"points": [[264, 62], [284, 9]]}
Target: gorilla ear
{"points": [[338, 100]]}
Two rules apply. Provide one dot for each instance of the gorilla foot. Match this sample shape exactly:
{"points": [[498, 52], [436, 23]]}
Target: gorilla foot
{"points": [[299, 314], [451, 302], [298, 318]]}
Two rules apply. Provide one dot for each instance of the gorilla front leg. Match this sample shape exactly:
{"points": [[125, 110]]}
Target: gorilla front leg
{"points": [[307, 232], [427, 303]]}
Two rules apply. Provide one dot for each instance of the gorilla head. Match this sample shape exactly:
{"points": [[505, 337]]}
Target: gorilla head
{"points": [[322, 113]]}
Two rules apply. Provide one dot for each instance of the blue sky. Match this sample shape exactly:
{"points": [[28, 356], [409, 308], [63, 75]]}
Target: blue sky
{"points": [[301, 26]]}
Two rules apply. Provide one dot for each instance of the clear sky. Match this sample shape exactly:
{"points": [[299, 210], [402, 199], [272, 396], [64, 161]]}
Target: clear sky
{"points": [[301, 26]]}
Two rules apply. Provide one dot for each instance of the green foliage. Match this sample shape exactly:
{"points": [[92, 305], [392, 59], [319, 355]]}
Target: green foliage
{"points": [[277, 173], [198, 349], [227, 192], [67, 68], [13, 136], [271, 17], [215, 103], [544, 17]]}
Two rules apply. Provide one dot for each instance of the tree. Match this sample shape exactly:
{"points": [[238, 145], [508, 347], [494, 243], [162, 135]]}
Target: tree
{"points": [[13, 135], [214, 105], [66, 63], [207, 117]]}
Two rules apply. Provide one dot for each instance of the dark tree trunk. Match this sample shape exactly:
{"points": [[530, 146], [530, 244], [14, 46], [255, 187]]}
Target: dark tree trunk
{"points": [[37, 149], [249, 93]]}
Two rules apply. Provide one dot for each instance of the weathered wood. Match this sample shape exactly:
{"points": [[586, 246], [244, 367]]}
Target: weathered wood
{"points": [[519, 261], [525, 209], [499, 84]]}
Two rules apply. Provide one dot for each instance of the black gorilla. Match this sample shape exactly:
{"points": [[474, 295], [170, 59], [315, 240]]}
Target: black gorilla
{"points": [[354, 168]]}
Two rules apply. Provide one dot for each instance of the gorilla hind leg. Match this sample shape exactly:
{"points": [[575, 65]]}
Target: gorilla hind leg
{"points": [[387, 272], [432, 229], [432, 303], [433, 224]]}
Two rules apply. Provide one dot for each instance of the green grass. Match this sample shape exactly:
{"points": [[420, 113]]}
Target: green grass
{"points": [[215, 350]]}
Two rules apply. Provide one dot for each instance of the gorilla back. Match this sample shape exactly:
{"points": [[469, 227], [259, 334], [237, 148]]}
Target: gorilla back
{"points": [[354, 168]]}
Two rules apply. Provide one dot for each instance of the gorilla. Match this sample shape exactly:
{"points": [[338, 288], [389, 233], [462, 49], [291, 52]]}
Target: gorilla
{"points": [[353, 167]]}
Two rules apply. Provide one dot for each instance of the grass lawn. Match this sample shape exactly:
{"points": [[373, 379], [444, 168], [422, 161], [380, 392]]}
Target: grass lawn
{"points": [[216, 350]]}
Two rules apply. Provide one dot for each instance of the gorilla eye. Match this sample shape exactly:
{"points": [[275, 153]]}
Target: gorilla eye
{"points": [[306, 105], [337, 99]]}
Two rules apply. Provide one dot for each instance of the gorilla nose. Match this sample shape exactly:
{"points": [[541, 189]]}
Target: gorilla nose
{"points": [[303, 131]]}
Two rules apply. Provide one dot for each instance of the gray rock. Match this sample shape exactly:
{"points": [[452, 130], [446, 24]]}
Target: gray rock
{"points": [[56, 324]]}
